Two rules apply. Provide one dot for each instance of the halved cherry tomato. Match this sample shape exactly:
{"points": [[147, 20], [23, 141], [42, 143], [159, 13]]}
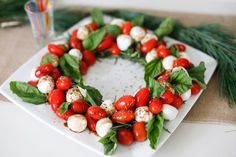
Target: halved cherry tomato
{"points": [[142, 97], [178, 102], [66, 115], [63, 83], [126, 27], [139, 131], [96, 112], [79, 106], [83, 68], [123, 116], [33, 83], [164, 77], [195, 89], [114, 50], [148, 46], [56, 73], [92, 26], [43, 70], [74, 33], [181, 47], [105, 44], [181, 62], [75, 43], [56, 98], [155, 106], [91, 123], [125, 102], [163, 52], [89, 57], [125, 136], [167, 97], [56, 49]]}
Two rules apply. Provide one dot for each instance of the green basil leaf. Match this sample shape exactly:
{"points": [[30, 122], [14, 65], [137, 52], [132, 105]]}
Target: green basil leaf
{"points": [[154, 129], [155, 88], [133, 56], [121, 125], [97, 16], [109, 142], [180, 81], [197, 74], [28, 93], [174, 51], [165, 28], [138, 21], [64, 107], [113, 29], [46, 59], [94, 39]]}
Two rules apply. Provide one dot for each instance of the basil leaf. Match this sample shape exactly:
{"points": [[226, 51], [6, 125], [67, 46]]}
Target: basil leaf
{"points": [[94, 39], [121, 125], [64, 107], [109, 142], [97, 16], [174, 51], [113, 29], [197, 74], [28, 93], [154, 129], [133, 56], [155, 88], [138, 21], [165, 28], [91, 94], [46, 59], [180, 81]]}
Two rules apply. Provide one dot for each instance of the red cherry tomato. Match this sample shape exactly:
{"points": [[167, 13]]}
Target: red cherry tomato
{"points": [[181, 47], [91, 123], [123, 116], [163, 52], [83, 68], [178, 102], [96, 112], [125, 136], [139, 131], [126, 27], [167, 97], [56, 49], [89, 57], [75, 43], [195, 89], [125, 102], [56, 98], [148, 46], [105, 44], [80, 106], [63, 83], [92, 26], [33, 83], [109, 37], [114, 50], [155, 106], [43, 70], [56, 73], [181, 62], [66, 115], [142, 97], [164, 77], [74, 34]]}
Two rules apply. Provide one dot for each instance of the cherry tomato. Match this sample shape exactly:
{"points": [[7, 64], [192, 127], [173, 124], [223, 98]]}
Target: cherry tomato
{"points": [[63, 83], [79, 106], [56, 49], [148, 46], [56, 98], [56, 73], [167, 97], [83, 68], [181, 47], [178, 102], [92, 26], [125, 136], [155, 106], [126, 27], [114, 50], [164, 77], [195, 89], [96, 112], [75, 43], [181, 62], [142, 97], [66, 115], [105, 44], [89, 57], [123, 116], [33, 83], [163, 52], [139, 131], [43, 70], [91, 123], [74, 34], [125, 102], [109, 37]]}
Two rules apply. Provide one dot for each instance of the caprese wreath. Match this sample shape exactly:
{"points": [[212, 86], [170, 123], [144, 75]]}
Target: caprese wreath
{"points": [[170, 79]]}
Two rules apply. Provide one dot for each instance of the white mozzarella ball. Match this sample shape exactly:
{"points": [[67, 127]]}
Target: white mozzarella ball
{"points": [[169, 112], [137, 33], [63, 42], [151, 55], [117, 21], [168, 62], [108, 106], [103, 126], [185, 96], [32, 75], [76, 53], [73, 94], [184, 55], [147, 37], [82, 32], [142, 114], [124, 42], [45, 84], [77, 123], [180, 68]]}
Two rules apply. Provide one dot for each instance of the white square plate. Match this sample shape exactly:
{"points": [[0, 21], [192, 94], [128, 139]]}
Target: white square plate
{"points": [[113, 79]]}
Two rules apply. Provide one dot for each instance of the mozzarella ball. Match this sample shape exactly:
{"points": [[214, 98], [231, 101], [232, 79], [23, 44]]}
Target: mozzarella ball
{"points": [[63, 42], [185, 96], [147, 37], [151, 55], [137, 33], [117, 21], [142, 114], [180, 68], [77, 123], [73, 94], [76, 53], [32, 75], [103, 126], [124, 42], [108, 106], [184, 55], [169, 112], [82, 32], [168, 62], [45, 84]]}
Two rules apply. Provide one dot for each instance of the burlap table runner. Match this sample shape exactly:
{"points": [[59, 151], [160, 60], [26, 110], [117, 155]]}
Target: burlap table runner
{"points": [[17, 46]]}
